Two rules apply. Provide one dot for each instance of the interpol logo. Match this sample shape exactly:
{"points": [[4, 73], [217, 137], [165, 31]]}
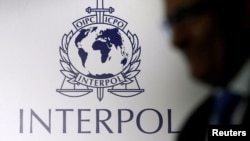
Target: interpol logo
{"points": [[100, 56]]}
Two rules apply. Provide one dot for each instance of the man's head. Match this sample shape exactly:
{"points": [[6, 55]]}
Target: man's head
{"points": [[213, 35]]}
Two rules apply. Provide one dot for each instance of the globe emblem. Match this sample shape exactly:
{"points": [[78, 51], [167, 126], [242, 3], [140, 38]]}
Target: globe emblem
{"points": [[100, 55], [100, 52]]}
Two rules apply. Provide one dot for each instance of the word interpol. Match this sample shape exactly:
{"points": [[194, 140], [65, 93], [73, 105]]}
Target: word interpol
{"points": [[88, 121]]}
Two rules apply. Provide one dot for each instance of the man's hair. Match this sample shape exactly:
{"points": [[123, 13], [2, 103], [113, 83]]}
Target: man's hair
{"points": [[231, 17]]}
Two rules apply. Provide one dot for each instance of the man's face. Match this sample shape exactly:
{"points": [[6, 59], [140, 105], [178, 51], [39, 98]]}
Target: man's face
{"points": [[196, 33]]}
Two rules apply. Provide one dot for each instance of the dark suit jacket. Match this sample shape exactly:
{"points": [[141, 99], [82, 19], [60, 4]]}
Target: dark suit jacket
{"points": [[195, 128]]}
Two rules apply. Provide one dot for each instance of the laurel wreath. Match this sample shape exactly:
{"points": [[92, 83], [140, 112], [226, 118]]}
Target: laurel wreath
{"points": [[128, 73]]}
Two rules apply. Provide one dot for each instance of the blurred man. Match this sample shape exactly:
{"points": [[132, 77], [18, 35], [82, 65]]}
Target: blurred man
{"points": [[214, 36]]}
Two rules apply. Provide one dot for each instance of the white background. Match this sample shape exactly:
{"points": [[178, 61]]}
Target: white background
{"points": [[30, 36]]}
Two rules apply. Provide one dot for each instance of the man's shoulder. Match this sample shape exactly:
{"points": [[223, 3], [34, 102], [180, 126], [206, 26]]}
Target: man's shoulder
{"points": [[196, 125], [202, 112]]}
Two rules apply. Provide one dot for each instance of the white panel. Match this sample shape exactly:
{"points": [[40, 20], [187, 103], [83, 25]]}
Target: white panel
{"points": [[30, 36]]}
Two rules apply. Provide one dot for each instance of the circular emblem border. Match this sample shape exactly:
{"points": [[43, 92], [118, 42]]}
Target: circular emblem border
{"points": [[128, 73]]}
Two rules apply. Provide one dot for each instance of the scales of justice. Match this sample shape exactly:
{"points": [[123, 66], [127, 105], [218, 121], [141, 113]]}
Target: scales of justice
{"points": [[126, 89]]}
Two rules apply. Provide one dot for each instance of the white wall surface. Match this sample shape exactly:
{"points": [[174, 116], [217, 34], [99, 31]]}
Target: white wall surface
{"points": [[30, 36]]}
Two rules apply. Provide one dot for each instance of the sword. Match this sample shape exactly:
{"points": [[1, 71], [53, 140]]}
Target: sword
{"points": [[100, 10], [100, 93], [100, 14]]}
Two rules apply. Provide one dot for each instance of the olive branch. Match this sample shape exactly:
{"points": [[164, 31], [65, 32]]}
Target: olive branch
{"points": [[132, 69], [128, 73], [68, 69]]}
